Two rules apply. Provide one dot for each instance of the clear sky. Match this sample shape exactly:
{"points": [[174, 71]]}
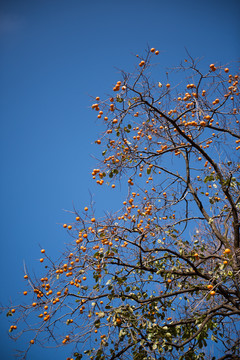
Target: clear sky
{"points": [[55, 55]]}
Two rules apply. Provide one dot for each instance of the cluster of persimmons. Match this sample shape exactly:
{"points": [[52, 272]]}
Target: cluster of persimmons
{"points": [[141, 132]]}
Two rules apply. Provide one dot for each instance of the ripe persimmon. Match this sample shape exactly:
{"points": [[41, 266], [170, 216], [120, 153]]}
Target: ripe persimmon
{"points": [[212, 67], [227, 251], [118, 321]]}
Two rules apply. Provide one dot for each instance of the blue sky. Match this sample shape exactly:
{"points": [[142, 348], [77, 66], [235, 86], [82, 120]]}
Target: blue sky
{"points": [[55, 55]]}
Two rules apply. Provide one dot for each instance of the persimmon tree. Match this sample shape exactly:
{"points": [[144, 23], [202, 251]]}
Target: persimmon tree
{"points": [[158, 279]]}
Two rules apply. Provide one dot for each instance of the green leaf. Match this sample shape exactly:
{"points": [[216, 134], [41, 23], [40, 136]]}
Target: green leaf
{"points": [[79, 356], [101, 314], [119, 99], [208, 178], [97, 323]]}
